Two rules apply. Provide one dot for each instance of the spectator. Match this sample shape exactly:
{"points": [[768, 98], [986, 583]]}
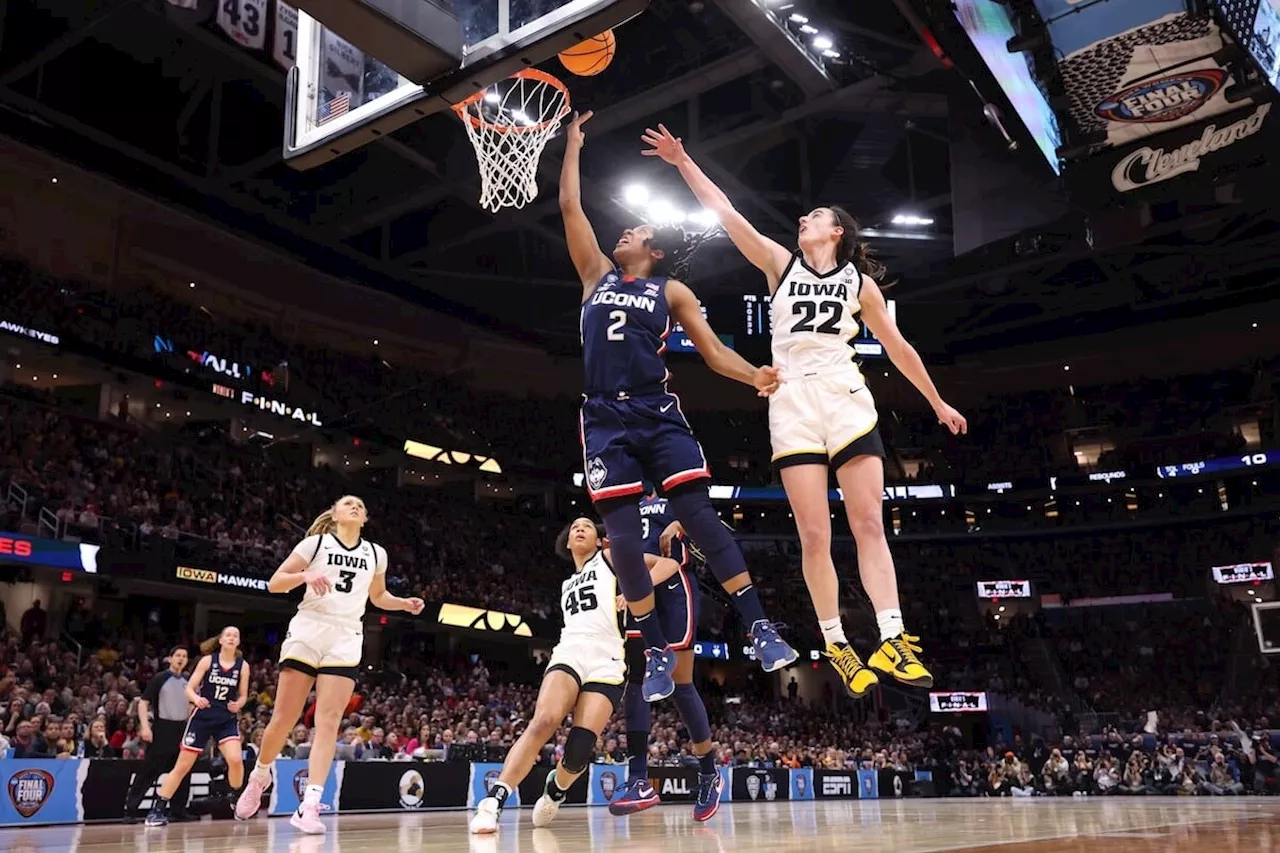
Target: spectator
{"points": [[34, 623], [26, 744], [96, 744]]}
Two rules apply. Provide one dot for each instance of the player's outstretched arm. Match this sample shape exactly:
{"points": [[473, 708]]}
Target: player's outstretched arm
{"points": [[688, 313], [584, 248], [903, 355], [767, 255]]}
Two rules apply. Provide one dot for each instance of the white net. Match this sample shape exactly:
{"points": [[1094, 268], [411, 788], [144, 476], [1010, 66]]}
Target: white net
{"points": [[509, 125]]}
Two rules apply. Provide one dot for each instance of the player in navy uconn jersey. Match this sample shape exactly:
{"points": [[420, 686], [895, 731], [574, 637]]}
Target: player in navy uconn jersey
{"points": [[676, 601], [824, 420], [631, 425], [218, 689]]}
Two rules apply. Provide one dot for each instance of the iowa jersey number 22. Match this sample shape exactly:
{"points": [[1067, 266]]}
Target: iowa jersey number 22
{"points": [[811, 312]]}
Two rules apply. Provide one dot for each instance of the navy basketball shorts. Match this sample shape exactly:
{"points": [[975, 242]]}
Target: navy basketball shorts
{"points": [[628, 439], [201, 726], [676, 601]]}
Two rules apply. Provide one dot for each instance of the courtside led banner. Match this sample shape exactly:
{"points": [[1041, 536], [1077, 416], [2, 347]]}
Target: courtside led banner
{"points": [[1243, 573], [958, 703], [479, 619], [1004, 589], [53, 553]]}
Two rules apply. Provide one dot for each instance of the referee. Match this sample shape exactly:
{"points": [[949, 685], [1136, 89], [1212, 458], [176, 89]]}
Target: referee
{"points": [[166, 697]]}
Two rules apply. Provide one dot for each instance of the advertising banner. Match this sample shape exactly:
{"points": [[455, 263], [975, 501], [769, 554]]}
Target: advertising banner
{"points": [[802, 783], [291, 784], [40, 792], [409, 785], [894, 783], [483, 775], [606, 782], [761, 784], [1004, 589], [868, 785], [674, 784], [958, 702], [53, 553], [835, 784], [104, 783], [535, 783]]}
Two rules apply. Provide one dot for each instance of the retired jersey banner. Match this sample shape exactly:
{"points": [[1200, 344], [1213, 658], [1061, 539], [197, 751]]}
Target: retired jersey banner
{"points": [[1136, 69], [40, 791]]}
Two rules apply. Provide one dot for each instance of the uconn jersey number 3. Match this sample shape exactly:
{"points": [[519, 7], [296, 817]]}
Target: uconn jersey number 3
{"points": [[327, 634], [631, 425]]}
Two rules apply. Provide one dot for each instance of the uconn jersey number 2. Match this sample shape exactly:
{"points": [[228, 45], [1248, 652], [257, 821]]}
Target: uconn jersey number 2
{"points": [[631, 425]]}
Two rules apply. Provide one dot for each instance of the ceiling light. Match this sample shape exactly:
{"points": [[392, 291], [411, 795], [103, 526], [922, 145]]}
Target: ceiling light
{"points": [[795, 16], [635, 194], [53, 180], [491, 97], [191, 284], [911, 219], [830, 54], [705, 218], [808, 30], [664, 212], [822, 43]]}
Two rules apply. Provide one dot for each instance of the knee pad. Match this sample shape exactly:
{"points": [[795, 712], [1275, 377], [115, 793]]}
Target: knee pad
{"points": [[579, 746]]}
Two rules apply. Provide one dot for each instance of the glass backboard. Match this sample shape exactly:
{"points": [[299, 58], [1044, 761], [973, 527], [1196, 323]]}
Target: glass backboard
{"points": [[341, 97]]}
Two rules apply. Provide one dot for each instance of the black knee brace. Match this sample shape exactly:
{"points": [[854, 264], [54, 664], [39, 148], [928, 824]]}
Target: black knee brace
{"points": [[579, 747]]}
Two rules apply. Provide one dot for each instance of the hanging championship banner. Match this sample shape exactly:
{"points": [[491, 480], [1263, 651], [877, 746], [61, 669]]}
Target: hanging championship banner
{"points": [[1136, 69], [1183, 164], [284, 43], [244, 21]]}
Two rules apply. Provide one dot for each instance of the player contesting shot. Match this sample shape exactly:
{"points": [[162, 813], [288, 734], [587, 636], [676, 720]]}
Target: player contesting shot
{"points": [[823, 417], [632, 427], [323, 646], [676, 599], [584, 676]]}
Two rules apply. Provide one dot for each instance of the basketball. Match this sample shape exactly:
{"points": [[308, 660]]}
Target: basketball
{"points": [[590, 57]]}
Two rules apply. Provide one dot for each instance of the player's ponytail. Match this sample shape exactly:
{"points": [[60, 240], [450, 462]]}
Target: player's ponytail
{"points": [[323, 524], [851, 248]]}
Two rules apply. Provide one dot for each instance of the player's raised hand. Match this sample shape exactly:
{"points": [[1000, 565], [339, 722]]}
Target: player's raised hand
{"points": [[767, 380], [951, 419], [316, 581], [662, 144], [415, 605], [573, 131]]}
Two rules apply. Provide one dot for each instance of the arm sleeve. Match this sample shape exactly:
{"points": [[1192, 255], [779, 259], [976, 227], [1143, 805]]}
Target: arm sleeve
{"points": [[308, 548]]}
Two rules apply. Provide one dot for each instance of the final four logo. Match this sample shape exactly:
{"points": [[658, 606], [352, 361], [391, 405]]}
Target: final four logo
{"points": [[29, 790], [608, 784]]}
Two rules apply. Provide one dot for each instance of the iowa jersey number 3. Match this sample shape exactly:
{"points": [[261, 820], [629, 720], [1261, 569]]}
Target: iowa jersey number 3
{"points": [[810, 312]]}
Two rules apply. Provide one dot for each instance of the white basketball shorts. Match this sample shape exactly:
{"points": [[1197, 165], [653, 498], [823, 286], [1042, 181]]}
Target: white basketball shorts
{"points": [[826, 418], [315, 644], [591, 663]]}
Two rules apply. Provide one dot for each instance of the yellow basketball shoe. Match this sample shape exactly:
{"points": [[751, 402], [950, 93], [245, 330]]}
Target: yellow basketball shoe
{"points": [[857, 678], [897, 657]]}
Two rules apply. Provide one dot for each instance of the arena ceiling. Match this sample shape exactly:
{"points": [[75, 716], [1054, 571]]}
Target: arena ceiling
{"points": [[171, 107]]}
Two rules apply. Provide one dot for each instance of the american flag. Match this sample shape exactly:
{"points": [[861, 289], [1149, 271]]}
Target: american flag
{"points": [[334, 108]]}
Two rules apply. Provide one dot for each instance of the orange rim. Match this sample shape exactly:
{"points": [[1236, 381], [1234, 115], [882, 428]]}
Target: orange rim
{"points": [[462, 108]]}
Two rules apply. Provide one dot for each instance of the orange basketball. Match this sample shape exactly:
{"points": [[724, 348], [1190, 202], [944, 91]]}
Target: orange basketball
{"points": [[590, 57]]}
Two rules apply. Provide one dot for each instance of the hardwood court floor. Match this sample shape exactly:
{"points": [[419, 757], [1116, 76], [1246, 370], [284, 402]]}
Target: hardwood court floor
{"points": [[1133, 825]]}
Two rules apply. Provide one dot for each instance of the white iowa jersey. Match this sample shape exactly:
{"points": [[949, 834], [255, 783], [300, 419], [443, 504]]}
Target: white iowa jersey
{"points": [[587, 600], [349, 570], [815, 318]]}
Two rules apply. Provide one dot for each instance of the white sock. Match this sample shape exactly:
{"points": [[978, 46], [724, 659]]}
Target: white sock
{"points": [[832, 631], [262, 769], [312, 795], [890, 622]]}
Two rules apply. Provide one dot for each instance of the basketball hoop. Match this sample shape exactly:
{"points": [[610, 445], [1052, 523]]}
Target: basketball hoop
{"points": [[509, 125]]}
